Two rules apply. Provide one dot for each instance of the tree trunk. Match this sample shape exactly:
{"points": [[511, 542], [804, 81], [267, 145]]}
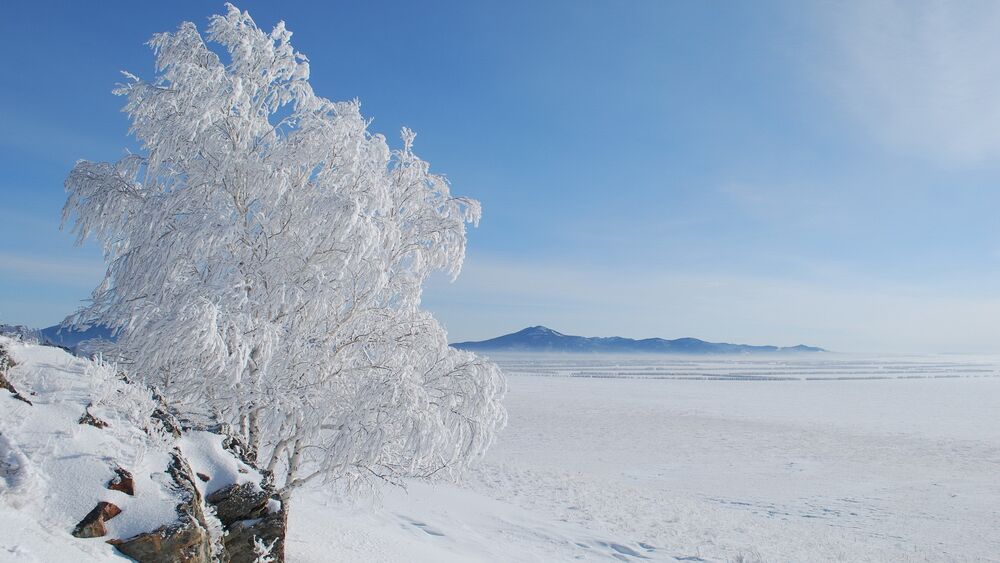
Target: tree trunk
{"points": [[279, 547], [253, 437]]}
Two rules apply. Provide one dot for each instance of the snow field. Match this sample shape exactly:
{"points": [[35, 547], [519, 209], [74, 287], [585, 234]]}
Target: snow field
{"points": [[766, 459], [805, 469]]}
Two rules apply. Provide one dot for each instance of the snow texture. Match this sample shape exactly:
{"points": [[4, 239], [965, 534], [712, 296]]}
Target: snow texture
{"points": [[670, 459], [206, 455]]}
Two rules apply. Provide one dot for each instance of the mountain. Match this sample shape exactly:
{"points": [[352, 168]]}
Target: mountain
{"points": [[531, 339], [542, 339], [71, 338], [83, 342]]}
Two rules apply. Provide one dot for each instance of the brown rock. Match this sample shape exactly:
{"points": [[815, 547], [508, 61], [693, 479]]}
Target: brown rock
{"points": [[92, 525], [123, 482], [92, 420], [238, 502], [270, 529], [6, 362], [243, 510], [204, 478], [239, 448], [184, 542], [168, 421], [4, 384], [187, 540]]}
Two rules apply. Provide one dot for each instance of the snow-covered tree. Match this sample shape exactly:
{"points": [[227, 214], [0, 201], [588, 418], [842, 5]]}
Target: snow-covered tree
{"points": [[266, 255]]}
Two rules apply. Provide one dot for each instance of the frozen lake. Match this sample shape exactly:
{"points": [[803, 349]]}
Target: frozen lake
{"points": [[817, 458]]}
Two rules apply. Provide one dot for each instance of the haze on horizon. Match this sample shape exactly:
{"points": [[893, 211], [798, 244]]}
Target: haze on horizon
{"points": [[766, 173]]}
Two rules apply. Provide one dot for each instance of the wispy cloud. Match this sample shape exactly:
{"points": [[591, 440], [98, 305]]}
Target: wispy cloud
{"points": [[51, 269], [920, 76], [842, 313]]}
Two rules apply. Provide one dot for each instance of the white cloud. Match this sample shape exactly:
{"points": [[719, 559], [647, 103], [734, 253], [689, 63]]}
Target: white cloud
{"points": [[923, 77]]}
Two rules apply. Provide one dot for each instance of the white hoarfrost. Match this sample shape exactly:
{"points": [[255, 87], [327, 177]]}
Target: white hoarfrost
{"points": [[266, 255]]}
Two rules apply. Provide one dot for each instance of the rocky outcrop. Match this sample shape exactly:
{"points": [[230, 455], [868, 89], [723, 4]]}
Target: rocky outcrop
{"points": [[92, 525], [241, 540], [250, 520], [185, 541], [92, 420], [243, 511], [167, 420], [122, 482], [7, 362], [237, 446], [238, 502]]}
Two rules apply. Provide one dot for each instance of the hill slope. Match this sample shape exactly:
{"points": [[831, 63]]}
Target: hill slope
{"points": [[76, 436]]}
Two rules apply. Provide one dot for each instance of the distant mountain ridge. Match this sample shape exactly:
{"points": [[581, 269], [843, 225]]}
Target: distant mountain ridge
{"points": [[543, 339], [57, 335], [531, 339], [70, 338]]}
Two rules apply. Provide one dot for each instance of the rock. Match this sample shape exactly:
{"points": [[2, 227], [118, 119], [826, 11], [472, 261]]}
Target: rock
{"points": [[241, 509], [238, 502], [6, 362], [168, 421], [92, 525], [240, 539], [122, 482], [92, 420], [239, 448], [187, 540], [4, 384], [183, 542]]}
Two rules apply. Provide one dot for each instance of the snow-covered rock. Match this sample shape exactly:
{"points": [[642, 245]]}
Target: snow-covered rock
{"points": [[97, 456]]}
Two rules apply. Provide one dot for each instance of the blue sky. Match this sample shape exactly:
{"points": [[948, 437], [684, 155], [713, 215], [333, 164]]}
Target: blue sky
{"points": [[759, 172]]}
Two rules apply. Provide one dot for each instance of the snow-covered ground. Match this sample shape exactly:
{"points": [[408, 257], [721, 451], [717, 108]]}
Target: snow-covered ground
{"points": [[53, 470], [827, 458]]}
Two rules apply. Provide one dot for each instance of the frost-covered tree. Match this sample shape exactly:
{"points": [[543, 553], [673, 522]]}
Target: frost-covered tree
{"points": [[266, 255]]}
